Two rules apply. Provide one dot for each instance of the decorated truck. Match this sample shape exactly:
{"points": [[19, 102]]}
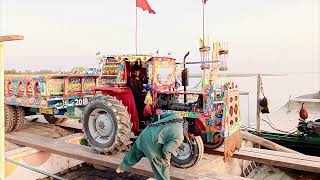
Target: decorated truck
{"points": [[106, 105], [55, 96]]}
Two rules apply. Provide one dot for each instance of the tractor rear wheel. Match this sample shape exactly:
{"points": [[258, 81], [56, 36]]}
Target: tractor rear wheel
{"points": [[53, 120], [10, 116], [20, 122], [189, 153], [107, 125]]}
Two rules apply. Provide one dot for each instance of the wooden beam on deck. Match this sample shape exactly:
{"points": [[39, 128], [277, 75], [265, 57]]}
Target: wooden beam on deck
{"points": [[86, 154], [11, 38], [266, 143], [274, 158]]}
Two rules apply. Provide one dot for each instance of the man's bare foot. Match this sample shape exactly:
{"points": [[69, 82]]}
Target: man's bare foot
{"points": [[118, 170]]}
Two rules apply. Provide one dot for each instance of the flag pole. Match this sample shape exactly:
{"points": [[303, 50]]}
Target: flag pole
{"points": [[203, 23], [136, 34]]}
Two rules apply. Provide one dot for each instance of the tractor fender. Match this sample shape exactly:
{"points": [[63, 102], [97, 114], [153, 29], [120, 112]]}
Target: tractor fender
{"points": [[200, 124], [125, 96]]}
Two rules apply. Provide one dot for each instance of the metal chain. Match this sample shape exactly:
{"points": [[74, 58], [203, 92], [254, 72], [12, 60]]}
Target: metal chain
{"points": [[165, 123]]}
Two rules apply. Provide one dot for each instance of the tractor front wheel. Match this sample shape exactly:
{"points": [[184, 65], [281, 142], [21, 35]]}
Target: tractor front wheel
{"points": [[189, 153], [106, 124]]}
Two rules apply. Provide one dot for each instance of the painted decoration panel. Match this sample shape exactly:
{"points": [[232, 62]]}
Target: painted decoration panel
{"points": [[88, 84], [164, 74], [55, 87], [74, 86], [121, 75], [232, 123], [110, 68]]}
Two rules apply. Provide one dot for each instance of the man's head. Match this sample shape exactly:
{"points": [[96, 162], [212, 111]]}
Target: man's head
{"points": [[135, 69]]}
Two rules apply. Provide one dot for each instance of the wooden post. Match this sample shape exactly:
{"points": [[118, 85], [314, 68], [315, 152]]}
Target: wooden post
{"points": [[203, 42], [2, 151], [258, 105], [2, 147]]}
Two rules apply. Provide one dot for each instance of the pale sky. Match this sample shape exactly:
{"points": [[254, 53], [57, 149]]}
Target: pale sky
{"points": [[264, 35]]}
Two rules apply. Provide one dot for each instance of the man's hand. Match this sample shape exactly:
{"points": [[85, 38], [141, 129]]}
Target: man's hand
{"points": [[190, 135], [119, 170], [167, 162]]}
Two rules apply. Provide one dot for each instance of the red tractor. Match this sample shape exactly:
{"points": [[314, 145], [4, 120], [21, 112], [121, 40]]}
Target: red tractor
{"points": [[110, 119]]}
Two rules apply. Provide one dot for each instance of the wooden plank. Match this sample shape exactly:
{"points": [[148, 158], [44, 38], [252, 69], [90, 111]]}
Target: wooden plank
{"points": [[86, 154], [281, 159], [2, 129], [11, 38], [27, 150], [266, 143], [52, 164], [282, 154], [306, 100]]}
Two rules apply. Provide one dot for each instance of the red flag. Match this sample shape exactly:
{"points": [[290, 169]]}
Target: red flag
{"points": [[144, 5], [204, 1]]}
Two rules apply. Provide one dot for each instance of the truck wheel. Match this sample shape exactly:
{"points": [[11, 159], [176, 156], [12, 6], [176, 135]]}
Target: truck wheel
{"points": [[53, 120], [107, 125], [217, 141], [20, 118], [189, 153], [10, 116]]}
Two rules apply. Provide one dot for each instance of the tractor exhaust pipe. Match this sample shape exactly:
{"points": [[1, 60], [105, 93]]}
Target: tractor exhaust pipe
{"points": [[184, 76]]}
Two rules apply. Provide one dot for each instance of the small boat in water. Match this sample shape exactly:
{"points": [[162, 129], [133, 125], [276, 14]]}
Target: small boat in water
{"points": [[296, 125]]}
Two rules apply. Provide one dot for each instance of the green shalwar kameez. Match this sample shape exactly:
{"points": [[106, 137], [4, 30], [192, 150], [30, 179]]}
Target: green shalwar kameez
{"points": [[156, 143]]}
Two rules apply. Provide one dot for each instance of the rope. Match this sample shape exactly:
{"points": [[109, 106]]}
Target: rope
{"points": [[274, 127], [35, 170], [195, 87], [254, 129]]}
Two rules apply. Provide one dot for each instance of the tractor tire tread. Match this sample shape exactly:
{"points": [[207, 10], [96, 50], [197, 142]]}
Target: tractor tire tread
{"points": [[123, 120], [10, 117], [21, 121]]}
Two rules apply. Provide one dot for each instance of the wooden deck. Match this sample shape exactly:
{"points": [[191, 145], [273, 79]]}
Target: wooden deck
{"points": [[86, 154], [275, 158]]}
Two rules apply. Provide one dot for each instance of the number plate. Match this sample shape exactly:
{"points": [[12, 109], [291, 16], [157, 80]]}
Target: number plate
{"points": [[81, 102], [46, 111]]}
